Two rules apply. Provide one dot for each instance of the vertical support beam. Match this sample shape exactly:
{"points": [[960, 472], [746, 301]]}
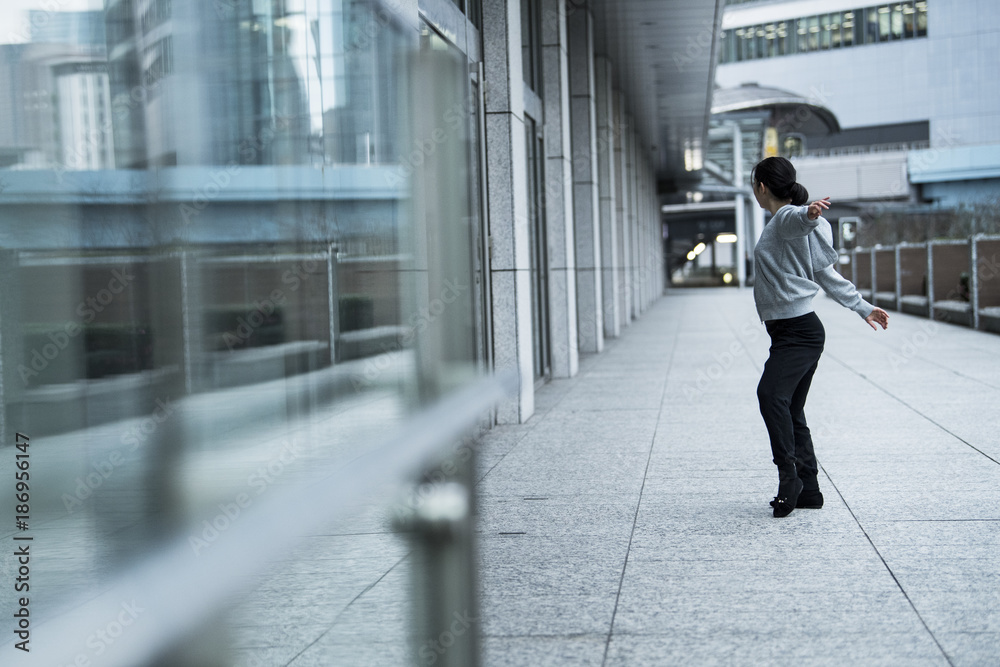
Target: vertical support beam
{"points": [[610, 262], [559, 191], [507, 189], [590, 313]]}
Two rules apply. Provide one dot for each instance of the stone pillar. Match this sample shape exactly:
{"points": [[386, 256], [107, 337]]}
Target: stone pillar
{"points": [[590, 315], [625, 284], [609, 221], [633, 302], [507, 188], [559, 191]]}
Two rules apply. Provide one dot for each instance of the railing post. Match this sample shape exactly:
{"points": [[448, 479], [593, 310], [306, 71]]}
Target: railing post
{"points": [[974, 279], [873, 252], [854, 266], [446, 613], [930, 280], [899, 279]]}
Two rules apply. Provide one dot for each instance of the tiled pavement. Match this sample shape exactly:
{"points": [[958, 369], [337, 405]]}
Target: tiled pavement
{"points": [[627, 522]]}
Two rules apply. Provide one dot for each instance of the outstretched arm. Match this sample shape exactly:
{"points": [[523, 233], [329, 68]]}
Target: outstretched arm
{"points": [[846, 294]]}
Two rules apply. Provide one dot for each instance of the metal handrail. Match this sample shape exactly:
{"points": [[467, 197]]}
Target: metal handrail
{"points": [[178, 591]]}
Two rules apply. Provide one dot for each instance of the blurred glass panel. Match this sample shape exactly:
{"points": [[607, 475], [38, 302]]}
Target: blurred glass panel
{"points": [[230, 267]]}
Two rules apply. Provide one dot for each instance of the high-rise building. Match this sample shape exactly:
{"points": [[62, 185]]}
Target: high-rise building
{"points": [[911, 84]]}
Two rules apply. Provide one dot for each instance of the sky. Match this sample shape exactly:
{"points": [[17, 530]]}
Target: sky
{"points": [[13, 14]]}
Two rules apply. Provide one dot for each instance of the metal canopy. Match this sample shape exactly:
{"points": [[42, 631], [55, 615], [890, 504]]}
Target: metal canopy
{"points": [[664, 52]]}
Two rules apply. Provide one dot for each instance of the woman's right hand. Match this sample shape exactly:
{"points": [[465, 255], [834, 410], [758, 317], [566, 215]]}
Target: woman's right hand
{"points": [[878, 316], [817, 207]]}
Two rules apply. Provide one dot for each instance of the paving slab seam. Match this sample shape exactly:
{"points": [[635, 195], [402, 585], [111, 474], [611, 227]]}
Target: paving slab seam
{"points": [[346, 607], [536, 419], [902, 402], [638, 505], [889, 570]]}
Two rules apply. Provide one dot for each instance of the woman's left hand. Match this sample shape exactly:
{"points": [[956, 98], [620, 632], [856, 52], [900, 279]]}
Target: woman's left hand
{"points": [[817, 207], [878, 316]]}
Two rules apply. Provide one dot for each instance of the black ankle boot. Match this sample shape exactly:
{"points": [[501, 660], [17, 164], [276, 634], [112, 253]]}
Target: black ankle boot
{"points": [[810, 500], [789, 489]]}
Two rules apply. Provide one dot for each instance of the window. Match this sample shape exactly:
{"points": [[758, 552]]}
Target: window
{"points": [[793, 145], [848, 27], [813, 33], [896, 23], [531, 44], [884, 23], [867, 25], [836, 40], [909, 21], [871, 26], [783, 38], [802, 33], [825, 38]]}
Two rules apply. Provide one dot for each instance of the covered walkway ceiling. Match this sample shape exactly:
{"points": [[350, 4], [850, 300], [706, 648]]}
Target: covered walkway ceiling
{"points": [[664, 51]]}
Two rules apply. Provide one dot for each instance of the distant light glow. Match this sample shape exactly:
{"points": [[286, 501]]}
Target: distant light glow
{"points": [[727, 278], [726, 238]]}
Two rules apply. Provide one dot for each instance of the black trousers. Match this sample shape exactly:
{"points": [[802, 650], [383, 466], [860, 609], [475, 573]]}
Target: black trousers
{"points": [[796, 345]]}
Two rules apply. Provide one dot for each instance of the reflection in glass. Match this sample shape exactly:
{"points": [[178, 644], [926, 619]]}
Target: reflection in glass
{"points": [[214, 264]]}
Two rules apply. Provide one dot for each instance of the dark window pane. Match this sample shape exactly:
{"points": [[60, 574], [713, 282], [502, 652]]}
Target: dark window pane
{"points": [[896, 23], [847, 27], [884, 23], [871, 25]]}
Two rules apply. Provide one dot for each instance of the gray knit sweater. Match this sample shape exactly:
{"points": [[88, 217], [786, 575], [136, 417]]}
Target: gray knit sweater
{"points": [[793, 259]]}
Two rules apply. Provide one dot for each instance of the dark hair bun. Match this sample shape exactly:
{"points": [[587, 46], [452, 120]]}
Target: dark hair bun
{"points": [[799, 194]]}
